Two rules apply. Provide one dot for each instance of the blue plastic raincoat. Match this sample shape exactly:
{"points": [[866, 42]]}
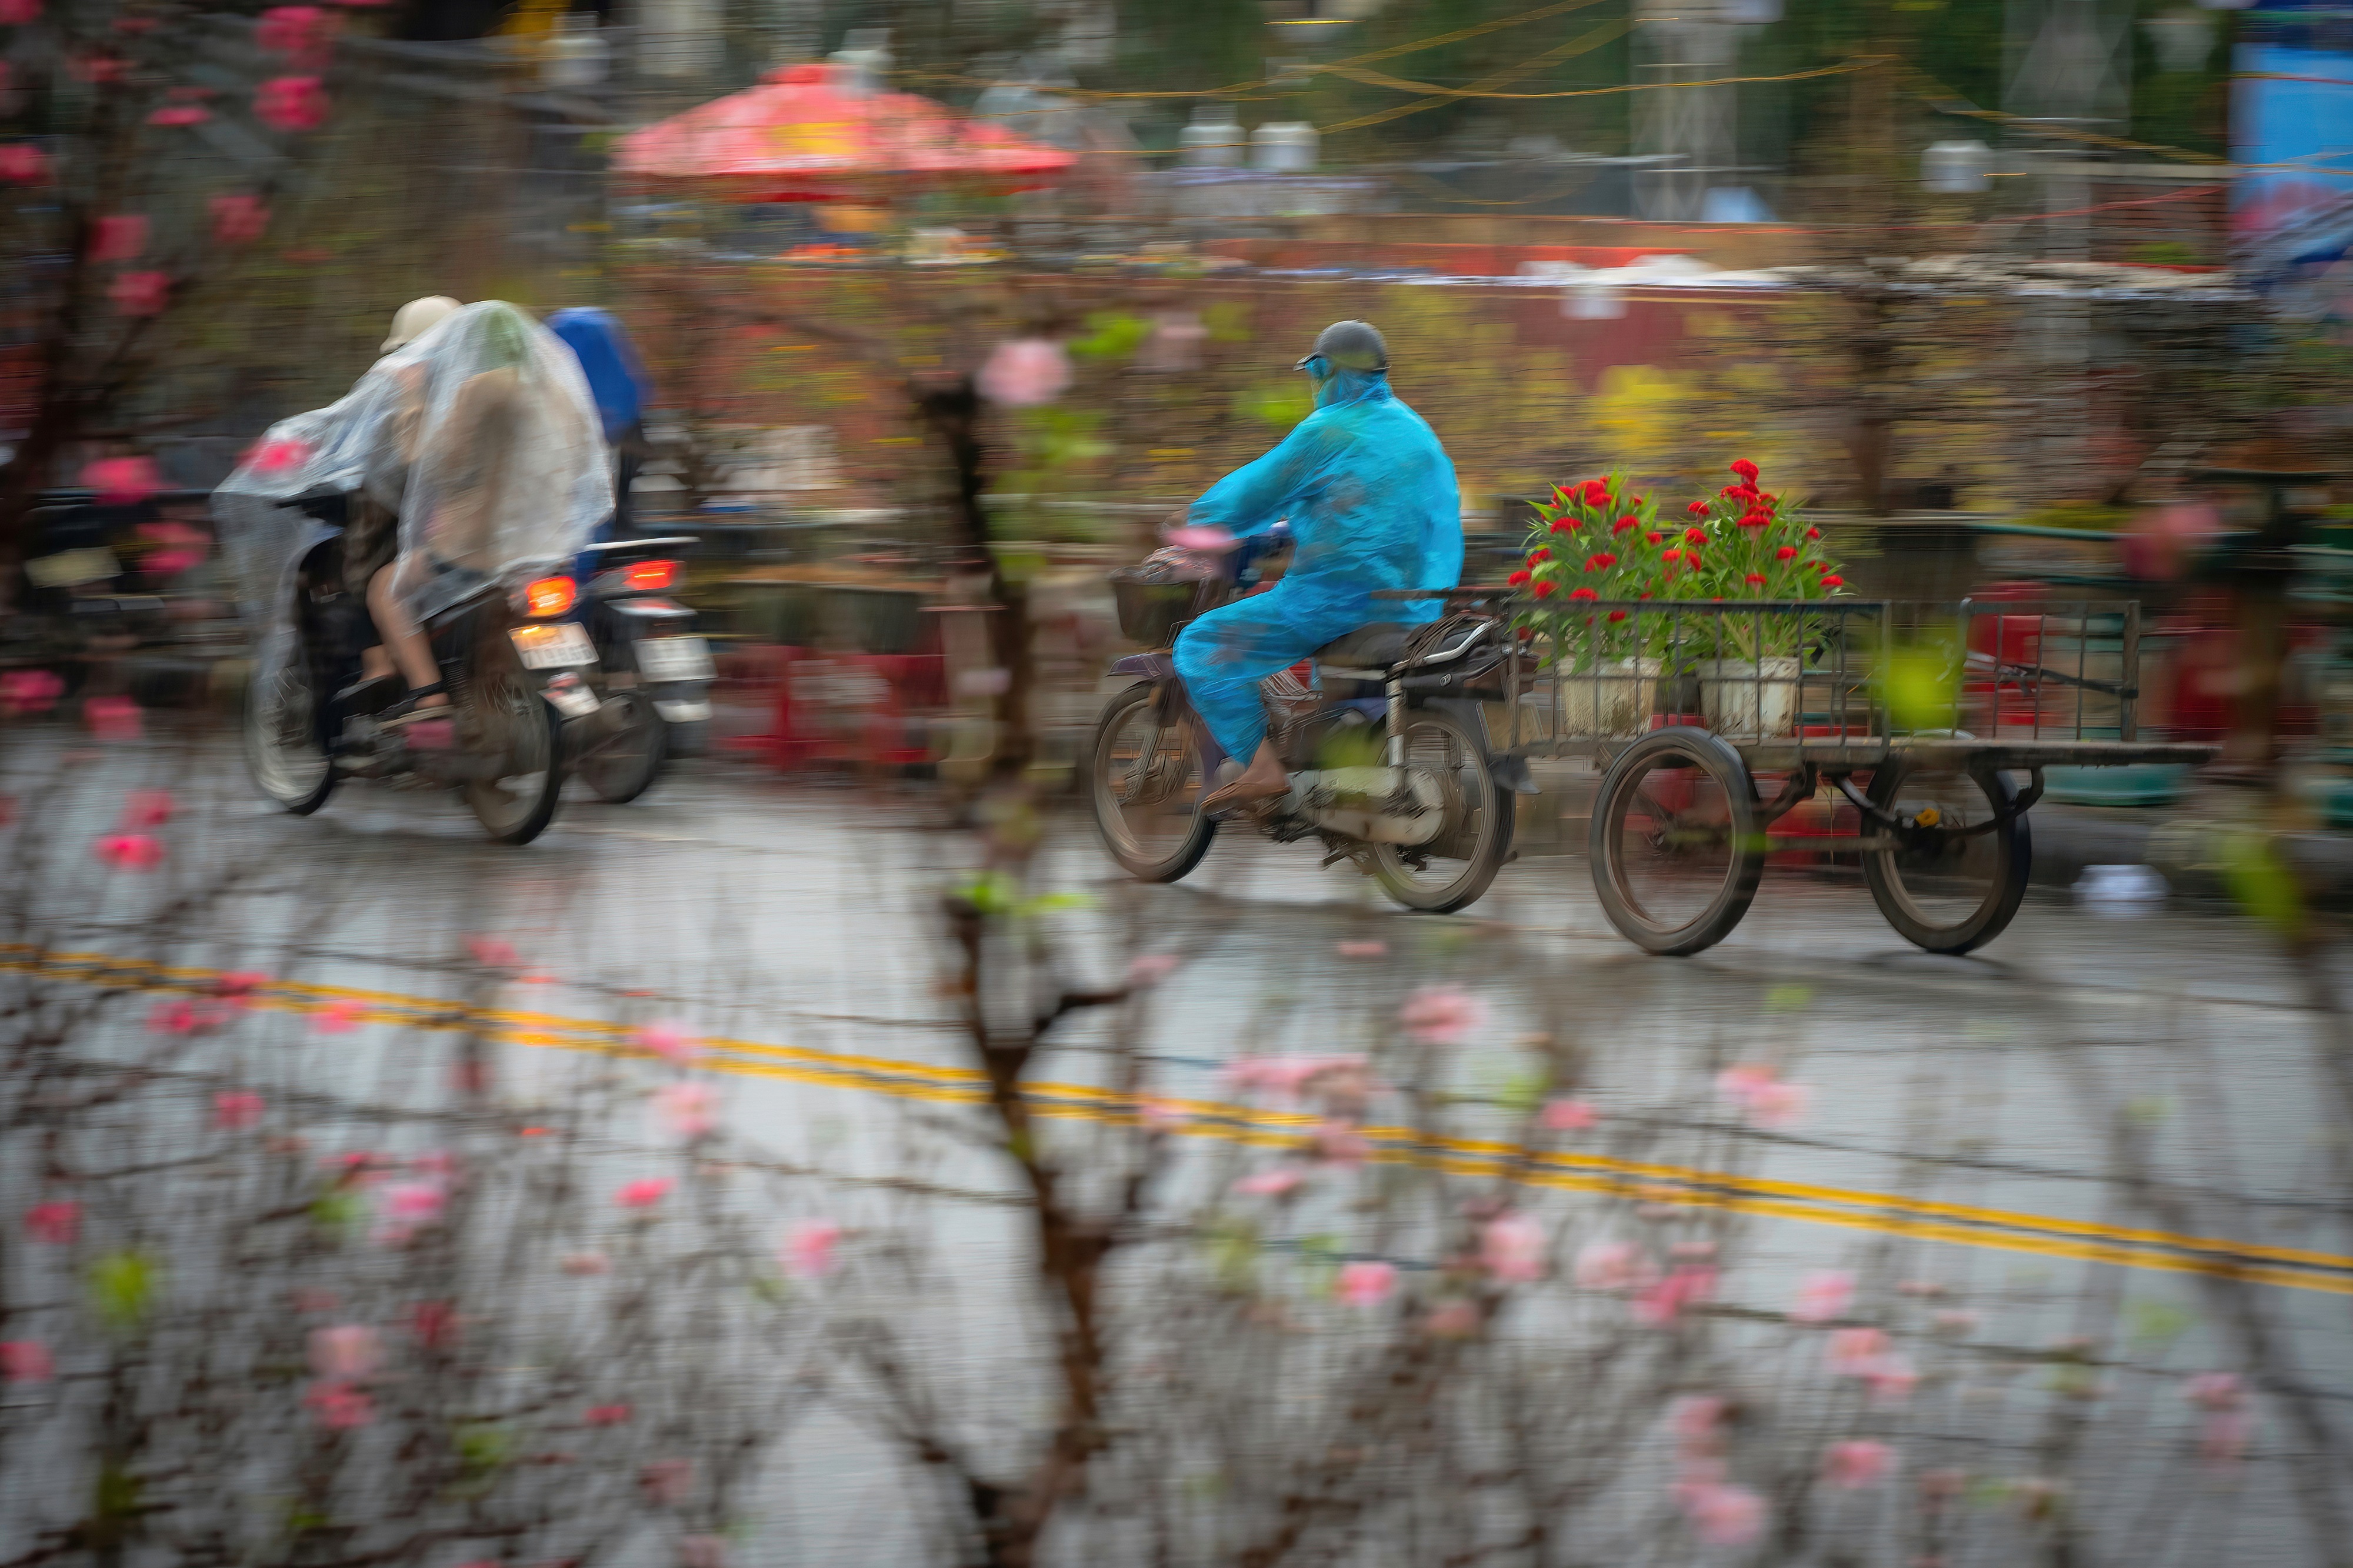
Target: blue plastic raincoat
{"points": [[615, 376], [1372, 503]]}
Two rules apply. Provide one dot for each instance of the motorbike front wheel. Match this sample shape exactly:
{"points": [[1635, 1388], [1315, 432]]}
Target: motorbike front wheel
{"points": [[622, 766], [1144, 784], [523, 729], [281, 739]]}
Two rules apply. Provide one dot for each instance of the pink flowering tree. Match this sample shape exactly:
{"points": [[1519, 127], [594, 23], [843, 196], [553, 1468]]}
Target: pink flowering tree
{"points": [[112, 242]]}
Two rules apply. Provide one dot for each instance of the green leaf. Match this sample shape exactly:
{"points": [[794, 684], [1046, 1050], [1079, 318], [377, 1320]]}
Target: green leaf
{"points": [[337, 1212], [2261, 882], [1233, 1255], [1522, 1092], [482, 1447], [1111, 334], [122, 1288], [991, 892], [1788, 998], [1049, 903], [2155, 1324], [116, 1495], [1274, 404]]}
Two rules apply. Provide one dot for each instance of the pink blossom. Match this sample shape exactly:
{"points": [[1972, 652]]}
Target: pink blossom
{"points": [[338, 1406], [1512, 1249], [235, 1110], [586, 1265], [644, 1193], [1664, 1302], [1614, 1266], [239, 987], [1159, 1115], [26, 1361], [2215, 1390], [118, 237], [291, 103], [1723, 1515], [408, 1205], [1761, 1095], [1340, 1143], [299, 31], [1891, 1378], [239, 220], [2222, 1439], [606, 1415], [22, 163], [56, 1221], [808, 1248], [1455, 1319], [1292, 1077], [493, 953], [1271, 1183], [340, 1016], [179, 547], [1955, 1324], [345, 1353], [178, 115], [186, 1017], [121, 481], [688, 1110], [434, 1325], [1697, 1421], [1440, 1015], [667, 1481], [702, 1552], [1853, 1352], [1362, 949], [146, 808], [1366, 1283], [1923, 1288], [29, 690], [666, 1040], [1822, 1295], [1856, 1463], [141, 293], [1567, 1115], [1025, 372], [19, 13], [1150, 969]]}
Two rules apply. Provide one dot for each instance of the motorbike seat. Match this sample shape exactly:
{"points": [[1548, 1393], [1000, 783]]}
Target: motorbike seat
{"points": [[1376, 647]]}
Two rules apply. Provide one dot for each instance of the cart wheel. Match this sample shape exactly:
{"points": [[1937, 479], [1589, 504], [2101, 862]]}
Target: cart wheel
{"points": [[1675, 848], [1944, 892]]}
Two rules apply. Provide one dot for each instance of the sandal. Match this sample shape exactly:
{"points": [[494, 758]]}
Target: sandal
{"points": [[407, 710], [1243, 795]]}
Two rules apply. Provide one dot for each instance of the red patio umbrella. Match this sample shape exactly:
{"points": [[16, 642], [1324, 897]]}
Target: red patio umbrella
{"points": [[797, 137]]}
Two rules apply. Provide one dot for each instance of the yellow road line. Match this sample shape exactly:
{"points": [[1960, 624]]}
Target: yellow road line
{"points": [[1885, 1213]]}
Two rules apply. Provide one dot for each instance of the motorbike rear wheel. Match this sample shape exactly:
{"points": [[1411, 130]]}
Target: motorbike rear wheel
{"points": [[281, 739], [623, 766], [1144, 784], [521, 726], [1455, 868]]}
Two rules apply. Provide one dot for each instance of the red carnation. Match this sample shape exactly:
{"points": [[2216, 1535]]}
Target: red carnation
{"points": [[1624, 523], [1691, 559], [1756, 577], [1542, 553], [1583, 593], [1566, 525], [1544, 590], [1654, 536], [1695, 535], [1697, 508], [1834, 581], [1617, 615], [1754, 520], [1671, 556], [1745, 469], [1561, 496], [1596, 493], [1786, 552], [1600, 560], [1769, 499], [1517, 578], [1813, 533], [1730, 490]]}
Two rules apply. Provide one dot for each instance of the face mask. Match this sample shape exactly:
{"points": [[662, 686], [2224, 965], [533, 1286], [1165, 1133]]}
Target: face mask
{"points": [[1322, 377]]}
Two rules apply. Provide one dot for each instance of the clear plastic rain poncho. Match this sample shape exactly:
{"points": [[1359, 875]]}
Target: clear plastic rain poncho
{"points": [[1372, 503], [481, 435]]}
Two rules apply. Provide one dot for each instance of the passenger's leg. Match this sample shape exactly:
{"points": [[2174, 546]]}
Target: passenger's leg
{"points": [[407, 646]]}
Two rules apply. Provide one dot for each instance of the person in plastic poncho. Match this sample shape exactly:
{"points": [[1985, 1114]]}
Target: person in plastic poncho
{"points": [[1372, 503]]}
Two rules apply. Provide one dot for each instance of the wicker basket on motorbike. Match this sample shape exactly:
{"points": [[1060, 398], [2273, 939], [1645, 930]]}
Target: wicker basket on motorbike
{"points": [[1157, 597]]}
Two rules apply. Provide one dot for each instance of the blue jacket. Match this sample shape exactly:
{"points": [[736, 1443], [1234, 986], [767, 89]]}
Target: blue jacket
{"points": [[616, 378], [1371, 499]]}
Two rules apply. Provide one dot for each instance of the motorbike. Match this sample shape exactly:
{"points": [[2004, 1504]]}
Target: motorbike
{"points": [[518, 676], [1381, 731], [652, 674]]}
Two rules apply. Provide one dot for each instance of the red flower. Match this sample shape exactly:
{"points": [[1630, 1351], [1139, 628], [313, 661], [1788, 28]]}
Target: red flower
{"points": [[1671, 556], [1813, 533], [1694, 536], [179, 114], [1769, 499], [141, 293], [1624, 523], [1566, 525], [1754, 520], [1697, 508], [1583, 593], [1654, 536], [1786, 552], [1833, 580], [1541, 553], [1756, 577], [1544, 590], [1561, 495], [291, 103], [1517, 578], [1600, 560], [1729, 492], [1597, 492], [1691, 559], [1616, 615], [1745, 469]]}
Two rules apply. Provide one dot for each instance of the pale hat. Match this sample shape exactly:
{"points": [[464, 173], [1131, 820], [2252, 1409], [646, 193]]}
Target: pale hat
{"points": [[417, 318]]}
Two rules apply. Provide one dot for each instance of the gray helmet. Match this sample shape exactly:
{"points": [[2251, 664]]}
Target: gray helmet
{"points": [[1349, 345]]}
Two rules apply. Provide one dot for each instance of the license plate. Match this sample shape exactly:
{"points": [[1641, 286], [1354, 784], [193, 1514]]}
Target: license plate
{"points": [[674, 659], [551, 644]]}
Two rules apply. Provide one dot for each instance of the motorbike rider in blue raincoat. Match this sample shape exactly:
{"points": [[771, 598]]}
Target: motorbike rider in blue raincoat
{"points": [[617, 380], [1371, 501]]}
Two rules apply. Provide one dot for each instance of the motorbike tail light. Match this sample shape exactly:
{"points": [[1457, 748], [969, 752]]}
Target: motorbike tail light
{"points": [[550, 595], [647, 576]]}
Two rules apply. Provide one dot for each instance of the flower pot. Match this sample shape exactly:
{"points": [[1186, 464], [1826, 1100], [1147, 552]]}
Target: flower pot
{"points": [[1612, 698], [1749, 696]]}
